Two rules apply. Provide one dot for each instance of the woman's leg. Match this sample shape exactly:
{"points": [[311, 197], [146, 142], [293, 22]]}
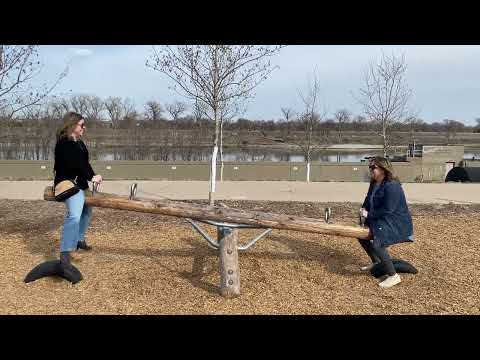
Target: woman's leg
{"points": [[368, 247], [71, 225], [84, 222], [385, 259]]}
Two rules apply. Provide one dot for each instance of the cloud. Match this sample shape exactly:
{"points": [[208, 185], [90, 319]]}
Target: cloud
{"points": [[80, 52]]}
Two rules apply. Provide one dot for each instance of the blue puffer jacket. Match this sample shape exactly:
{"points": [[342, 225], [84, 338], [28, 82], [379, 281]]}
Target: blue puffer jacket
{"points": [[389, 219]]}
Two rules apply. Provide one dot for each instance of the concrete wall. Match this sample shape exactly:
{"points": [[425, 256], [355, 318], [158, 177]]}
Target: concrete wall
{"points": [[265, 171], [433, 164], [443, 154]]}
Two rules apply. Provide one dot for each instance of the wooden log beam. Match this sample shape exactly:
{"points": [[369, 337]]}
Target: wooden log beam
{"points": [[228, 215]]}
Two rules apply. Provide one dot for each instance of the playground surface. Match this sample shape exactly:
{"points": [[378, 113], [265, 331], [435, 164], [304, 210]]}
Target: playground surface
{"points": [[150, 264]]}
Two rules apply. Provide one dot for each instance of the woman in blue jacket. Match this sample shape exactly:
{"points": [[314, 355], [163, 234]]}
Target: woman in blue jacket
{"points": [[386, 213]]}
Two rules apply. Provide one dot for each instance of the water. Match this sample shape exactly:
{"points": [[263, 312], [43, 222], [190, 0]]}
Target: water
{"points": [[187, 154], [472, 154], [196, 154]]}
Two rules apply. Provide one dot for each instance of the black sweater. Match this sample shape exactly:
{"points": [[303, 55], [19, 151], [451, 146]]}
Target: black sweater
{"points": [[71, 161]]}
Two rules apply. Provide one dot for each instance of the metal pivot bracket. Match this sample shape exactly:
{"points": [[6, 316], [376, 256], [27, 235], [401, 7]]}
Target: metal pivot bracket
{"points": [[223, 228]]}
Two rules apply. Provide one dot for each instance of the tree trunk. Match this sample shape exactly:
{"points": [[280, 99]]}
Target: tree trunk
{"points": [[213, 176], [220, 214], [221, 150], [384, 145], [308, 168], [213, 172], [308, 171]]}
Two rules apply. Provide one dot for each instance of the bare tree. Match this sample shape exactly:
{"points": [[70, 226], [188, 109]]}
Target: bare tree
{"points": [[385, 95], [94, 108], [343, 118], [288, 113], [90, 106], [199, 110], [65, 104], [19, 65], [215, 75], [115, 109], [153, 111], [176, 109], [451, 129], [359, 122], [309, 120], [286, 124], [129, 107], [79, 103]]}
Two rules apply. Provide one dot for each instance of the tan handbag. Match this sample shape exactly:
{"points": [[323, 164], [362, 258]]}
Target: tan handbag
{"points": [[65, 189]]}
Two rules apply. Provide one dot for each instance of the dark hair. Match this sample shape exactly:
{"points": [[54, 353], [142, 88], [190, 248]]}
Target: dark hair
{"points": [[70, 120]]}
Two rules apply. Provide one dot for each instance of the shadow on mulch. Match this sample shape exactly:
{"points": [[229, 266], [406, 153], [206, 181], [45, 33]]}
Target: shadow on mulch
{"points": [[333, 259], [36, 236], [199, 253]]}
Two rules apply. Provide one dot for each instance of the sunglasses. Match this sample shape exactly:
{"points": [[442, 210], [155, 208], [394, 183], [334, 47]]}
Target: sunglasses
{"points": [[82, 125], [373, 167]]}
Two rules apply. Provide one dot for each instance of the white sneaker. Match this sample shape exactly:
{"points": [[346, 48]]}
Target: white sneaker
{"points": [[390, 281], [368, 267]]}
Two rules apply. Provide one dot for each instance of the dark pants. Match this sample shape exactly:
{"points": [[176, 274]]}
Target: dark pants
{"points": [[378, 254]]}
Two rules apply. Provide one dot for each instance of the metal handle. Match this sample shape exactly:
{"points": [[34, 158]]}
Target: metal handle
{"points": [[361, 220], [328, 214], [133, 191], [94, 187]]}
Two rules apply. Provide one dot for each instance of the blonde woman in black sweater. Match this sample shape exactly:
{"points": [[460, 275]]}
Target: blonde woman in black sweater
{"points": [[72, 163]]}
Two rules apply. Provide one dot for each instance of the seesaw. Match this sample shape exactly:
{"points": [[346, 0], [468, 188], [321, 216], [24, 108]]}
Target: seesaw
{"points": [[227, 220]]}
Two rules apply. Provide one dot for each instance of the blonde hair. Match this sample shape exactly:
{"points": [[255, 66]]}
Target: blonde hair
{"points": [[70, 120]]}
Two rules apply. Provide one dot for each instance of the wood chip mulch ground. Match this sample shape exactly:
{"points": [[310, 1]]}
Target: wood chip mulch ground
{"points": [[150, 264]]}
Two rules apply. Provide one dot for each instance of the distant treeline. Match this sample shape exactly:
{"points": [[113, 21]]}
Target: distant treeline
{"points": [[118, 113], [114, 122]]}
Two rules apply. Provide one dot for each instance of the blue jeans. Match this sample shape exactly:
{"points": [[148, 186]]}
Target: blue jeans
{"points": [[76, 222]]}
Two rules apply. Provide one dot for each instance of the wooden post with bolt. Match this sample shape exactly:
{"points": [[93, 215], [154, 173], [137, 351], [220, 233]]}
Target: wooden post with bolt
{"points": [[229, 267]]}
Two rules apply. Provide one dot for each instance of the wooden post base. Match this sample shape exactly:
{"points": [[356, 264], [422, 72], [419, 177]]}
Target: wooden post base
{"points": [[229, 268]]}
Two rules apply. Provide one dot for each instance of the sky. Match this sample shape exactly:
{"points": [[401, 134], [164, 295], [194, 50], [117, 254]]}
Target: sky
{"points": [[445, 79]]}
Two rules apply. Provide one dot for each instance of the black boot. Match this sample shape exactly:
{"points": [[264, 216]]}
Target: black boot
{"points": [[83, 245], [69, 271], [65, 258]]}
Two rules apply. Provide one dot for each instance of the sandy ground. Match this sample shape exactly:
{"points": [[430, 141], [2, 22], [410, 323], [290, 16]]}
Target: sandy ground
{"points": [[150, 264], [442, 193]]}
